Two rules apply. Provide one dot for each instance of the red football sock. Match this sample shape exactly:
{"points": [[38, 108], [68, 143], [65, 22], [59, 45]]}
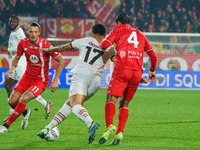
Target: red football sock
{"points": [[109, 113], [19, 109], [122, 118]]}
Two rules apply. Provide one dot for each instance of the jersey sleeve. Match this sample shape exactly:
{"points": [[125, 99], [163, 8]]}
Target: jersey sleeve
{"points": [[76, 44], [20, 49], [112, 35], [12, 46], [153, 59], [20, 36], [49, 45], [110, 39], [149, 50], [148, 46], [53, 54], [13, 43]]}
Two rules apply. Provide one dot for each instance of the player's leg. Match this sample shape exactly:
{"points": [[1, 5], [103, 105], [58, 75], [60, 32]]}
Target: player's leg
{"points": [[122, 119], [85, 87], [9, 88], [35, 89], [82, 113], [115, 90], [110, 110], [32, 92], [123, 114], [134, 78], [109, 115], [76, 102], [9, 85], [78, 92], [26, 97], [47, 105], [60, 116], [13, 100], [20, 108]]}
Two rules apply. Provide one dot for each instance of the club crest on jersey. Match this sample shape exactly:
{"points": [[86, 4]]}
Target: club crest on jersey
{"points": [[34, 59], [122, 54], [32, 47]]}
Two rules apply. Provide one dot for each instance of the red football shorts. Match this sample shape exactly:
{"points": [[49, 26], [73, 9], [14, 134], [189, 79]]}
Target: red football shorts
{"points": [[124, 83], [36, 86]]}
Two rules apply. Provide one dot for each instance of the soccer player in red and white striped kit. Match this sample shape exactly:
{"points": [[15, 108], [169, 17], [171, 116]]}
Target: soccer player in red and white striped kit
{"points": [[130, 46], [35, 80]]}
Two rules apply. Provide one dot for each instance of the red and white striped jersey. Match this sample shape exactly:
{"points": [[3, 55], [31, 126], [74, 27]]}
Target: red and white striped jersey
{"points": [[37, 59]]}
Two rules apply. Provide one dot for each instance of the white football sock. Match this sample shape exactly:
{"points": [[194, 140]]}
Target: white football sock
{"points": [[41, 100], [60, 116], [11, 110], [82, 114]]}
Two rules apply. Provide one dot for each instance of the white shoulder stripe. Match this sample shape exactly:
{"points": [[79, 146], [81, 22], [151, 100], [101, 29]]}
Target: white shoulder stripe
{"points": [[149, 50]]}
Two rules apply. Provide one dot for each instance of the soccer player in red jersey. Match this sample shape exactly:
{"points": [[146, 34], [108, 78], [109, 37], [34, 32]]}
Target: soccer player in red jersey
{"points": [[130, 46], [36, 78], [15, 37]]}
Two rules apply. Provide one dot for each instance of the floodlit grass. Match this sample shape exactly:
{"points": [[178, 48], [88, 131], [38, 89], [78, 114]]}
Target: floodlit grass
{"points": [[158, 119]]}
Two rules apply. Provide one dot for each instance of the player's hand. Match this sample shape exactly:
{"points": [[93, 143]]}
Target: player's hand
{"points": [[152, 77], [10, 71], [143, 80], [53, 86]]}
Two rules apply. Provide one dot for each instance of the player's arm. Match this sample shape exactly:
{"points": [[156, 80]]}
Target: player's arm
{"points": [[54, 83], [59, 48], [109, 40], [13, 66], [105, 44], [15, 60], [153, 59]]}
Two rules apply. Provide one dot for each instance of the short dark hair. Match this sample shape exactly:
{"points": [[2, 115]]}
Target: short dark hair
{"points": [[99, 29], [123, 18], [34, 24], [14, 17]]}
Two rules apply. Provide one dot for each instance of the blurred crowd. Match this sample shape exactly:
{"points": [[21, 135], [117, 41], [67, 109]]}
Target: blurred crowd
{"points": [[146, 15], [164, 15]]}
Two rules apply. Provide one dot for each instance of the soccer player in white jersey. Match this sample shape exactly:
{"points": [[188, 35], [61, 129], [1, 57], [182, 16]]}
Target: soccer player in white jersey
{"points": [[15, 37], [86, 79]]}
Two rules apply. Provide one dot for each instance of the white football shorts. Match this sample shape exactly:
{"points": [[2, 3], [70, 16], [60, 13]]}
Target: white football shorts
{"points": [[20, 69], [84, 84]]}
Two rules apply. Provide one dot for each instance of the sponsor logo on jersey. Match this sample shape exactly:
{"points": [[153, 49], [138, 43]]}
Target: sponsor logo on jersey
{"points": [[34, 59], [32, 47]]}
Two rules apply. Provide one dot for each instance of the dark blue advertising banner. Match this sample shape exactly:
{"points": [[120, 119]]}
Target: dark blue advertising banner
{"points": [[165, 79]]}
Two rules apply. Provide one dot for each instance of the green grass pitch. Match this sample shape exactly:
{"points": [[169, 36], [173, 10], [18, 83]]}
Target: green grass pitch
{"points": [[158, 119]]}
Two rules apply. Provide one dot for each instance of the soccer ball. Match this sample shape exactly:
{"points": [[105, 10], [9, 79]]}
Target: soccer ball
{"points": [[52, 135]]}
